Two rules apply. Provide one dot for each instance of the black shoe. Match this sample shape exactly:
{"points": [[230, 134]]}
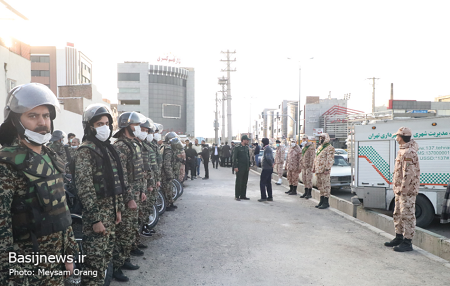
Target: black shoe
{"points": [[245, 198], [205, 178], [262, 200], [136, 252], [304, 194], [406, 245], [128, 266], [325, 204], [170, 209], [145, 233], [320, 202], [270, 199], [308, 194], [396, 241], [294, 191], [152, 231], [142, 246], [237, 199], [118, 275], [174, 206], [290, 189]]}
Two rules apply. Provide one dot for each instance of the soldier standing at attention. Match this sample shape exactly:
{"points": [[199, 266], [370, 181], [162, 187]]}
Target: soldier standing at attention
{"points": [[406, 188], [100, 183], [279, 161], [293, 167], [132, 164], [308, 156], [57, 144], [34, 216], [241, 165], [167, 173], [322, 167]]}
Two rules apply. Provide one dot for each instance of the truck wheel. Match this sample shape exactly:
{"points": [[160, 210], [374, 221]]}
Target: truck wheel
{"points": [[424, 212]]}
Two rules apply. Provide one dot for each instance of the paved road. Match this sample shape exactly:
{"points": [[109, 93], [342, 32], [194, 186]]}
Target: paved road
{"points": [[211, 239]]}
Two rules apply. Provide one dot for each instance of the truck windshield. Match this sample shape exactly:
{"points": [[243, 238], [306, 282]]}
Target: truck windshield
{"points": [[339, 161]]}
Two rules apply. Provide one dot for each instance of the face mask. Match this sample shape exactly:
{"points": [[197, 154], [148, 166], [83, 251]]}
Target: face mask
{"points": [[292, 144], [137, 131], [278, 145], [150, 137], [74, 146], [37, 137], [70, 141], [142, 135], [102, 133], [157, 136]]}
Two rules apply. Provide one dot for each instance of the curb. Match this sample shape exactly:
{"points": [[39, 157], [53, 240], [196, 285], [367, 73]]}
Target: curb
{"points": [[434, 246]]}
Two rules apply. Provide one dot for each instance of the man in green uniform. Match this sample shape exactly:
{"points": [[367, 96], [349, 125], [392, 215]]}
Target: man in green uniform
{"points": [[100, 183], [34, 216], [132, 164], [241, 165], [57, 144], [167, 173]]}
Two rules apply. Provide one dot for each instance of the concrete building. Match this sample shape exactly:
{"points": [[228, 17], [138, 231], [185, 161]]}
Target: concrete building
{"points": [[413, 108], [56, 67], [165, 94], [315, 108], [15, 64]]}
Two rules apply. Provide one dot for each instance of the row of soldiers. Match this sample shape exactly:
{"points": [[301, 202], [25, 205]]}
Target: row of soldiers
{"points": [[117, 187]]}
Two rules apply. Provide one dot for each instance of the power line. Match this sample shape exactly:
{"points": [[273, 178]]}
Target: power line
{"points": [[228, 70]]}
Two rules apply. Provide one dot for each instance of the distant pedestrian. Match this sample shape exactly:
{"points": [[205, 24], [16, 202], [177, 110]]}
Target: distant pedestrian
{"points": [[293, 167], [267, 163], [232, 154], [241, 165], [226, 153], [205, 158], [215, 156], [198, 148], [279, 161], [191, 161], [256, 153], [406, 188]]}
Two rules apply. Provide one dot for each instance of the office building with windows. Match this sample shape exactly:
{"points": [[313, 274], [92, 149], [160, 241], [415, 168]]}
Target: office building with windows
{"points": [[55, 67], [165, 94]]}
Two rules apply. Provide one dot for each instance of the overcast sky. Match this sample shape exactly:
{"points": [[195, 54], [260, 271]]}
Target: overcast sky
{"points": [[402, 42]]}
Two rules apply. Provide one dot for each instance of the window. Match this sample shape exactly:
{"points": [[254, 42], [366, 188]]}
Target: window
{"points": [[40, 59], [129, 90], [171, 111], [128, 77], [40, 73], [130, 102]]}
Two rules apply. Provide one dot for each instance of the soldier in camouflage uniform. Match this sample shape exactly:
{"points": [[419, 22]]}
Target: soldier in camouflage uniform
{"points": [[100, 183], [322, 167], [406, 188], [132, 164], [241, 165], [34, 216], [167, 170], [57, 145], [279, 161], [308, 156], [293, 167]]}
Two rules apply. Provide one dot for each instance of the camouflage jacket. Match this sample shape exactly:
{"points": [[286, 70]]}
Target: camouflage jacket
{"points": [[294, 158], [407, 169], [324, 156], [157, 170], [151, 175], [13, 184], [279, 156], [94, 208], [308, 156], [126, 158], [167, 168], [59, 149], [241, 157]]}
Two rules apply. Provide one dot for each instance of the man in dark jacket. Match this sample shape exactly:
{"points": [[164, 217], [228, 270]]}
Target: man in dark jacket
{"points": [[241, 165], [205, 159], [215, 156], [191, 159], [226, 153], [256, 152], [267, 163]]}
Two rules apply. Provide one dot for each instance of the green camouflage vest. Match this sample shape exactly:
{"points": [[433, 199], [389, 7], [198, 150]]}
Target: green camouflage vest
{"points": [[136, 165], [98, 178], [44, 209], [145, 155]]}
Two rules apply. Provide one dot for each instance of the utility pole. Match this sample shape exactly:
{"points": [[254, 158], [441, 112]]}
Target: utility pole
{"points": [[373, 94], [228, 70], [216, 123], [223, 82]]}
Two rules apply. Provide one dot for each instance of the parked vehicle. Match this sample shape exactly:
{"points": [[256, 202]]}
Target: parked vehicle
{"points": [[340, 175], [341, 152], [375, 150]]}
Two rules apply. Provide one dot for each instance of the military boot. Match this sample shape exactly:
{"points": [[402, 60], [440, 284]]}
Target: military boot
{"points": [[320, 202], [325, 204], [304, 194], [406, 245], [294, 191], [308, 195], [129, 266], [290, 189], [119, 276], [396, 241], [137, 252]]}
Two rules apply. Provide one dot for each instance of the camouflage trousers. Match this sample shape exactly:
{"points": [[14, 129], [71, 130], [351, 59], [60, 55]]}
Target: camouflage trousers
{"points": [[279, 170], [166, 187], [143, 211], [307, 178], [182, 173], [293, 177], [323, 184], [405, 215], [125, 234], [98, 249]]}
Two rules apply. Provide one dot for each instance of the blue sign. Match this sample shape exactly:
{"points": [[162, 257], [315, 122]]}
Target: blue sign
{"points": [[420, 111]]}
